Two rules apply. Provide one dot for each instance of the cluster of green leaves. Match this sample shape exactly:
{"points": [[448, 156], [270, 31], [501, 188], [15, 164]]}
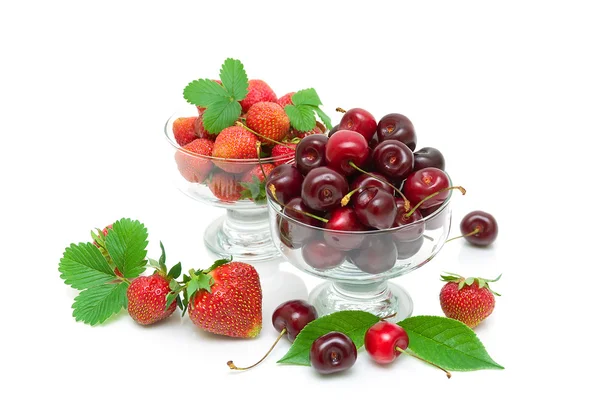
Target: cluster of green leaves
{"points": [[302, 113], [255, 190], [101, 271], [445, 342]]}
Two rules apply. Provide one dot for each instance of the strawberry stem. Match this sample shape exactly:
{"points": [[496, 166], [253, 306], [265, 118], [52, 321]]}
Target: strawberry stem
{"points": [[234, 367], [399, 349], [239, 124], [460, 188]]}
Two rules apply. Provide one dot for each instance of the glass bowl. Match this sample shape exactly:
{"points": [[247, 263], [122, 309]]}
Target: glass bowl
{"points": [[358, 265], [243, 231]]}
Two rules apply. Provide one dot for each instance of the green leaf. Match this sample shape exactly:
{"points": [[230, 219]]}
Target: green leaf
{"points": [[217, 263], [170, 298], [83, 266], [353, 323], [323, 117], [175, 271], [448, 343], [126, 244], [234, 78], [205, 92], [96, 305], [254, 190], [302, 117], [220, 115], [163, 256], [306, 97]]}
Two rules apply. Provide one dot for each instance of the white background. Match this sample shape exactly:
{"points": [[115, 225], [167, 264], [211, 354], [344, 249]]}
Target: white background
{"points": [[509, 92]]}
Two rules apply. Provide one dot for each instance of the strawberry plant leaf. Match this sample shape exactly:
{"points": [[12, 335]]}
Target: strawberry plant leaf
{"points": [[254, 190], [306, 97], [234, 78], [204, 92], [217, 263], [302, 117], [175, 271], [126, 244], [448, 343], [323, 117], [353, 323], [83, 266], [220, 115], [96, 305], [169, 299], [163, 256]]}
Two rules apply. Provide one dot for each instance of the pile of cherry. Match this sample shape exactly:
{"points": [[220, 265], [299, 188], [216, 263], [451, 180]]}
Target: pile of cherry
{"points": [[365, 175]]}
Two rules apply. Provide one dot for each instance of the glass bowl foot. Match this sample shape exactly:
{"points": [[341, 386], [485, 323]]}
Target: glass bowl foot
{"points": [[382, 299]]}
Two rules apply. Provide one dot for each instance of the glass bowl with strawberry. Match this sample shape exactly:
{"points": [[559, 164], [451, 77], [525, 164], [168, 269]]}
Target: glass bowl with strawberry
{"points": [[359, 213], [236, 133]]}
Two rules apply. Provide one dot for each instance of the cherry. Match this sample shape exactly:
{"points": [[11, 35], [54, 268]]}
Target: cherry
{"points": [[415, 227], [385, 341], [323, 189], [359, 120], [393, 159], [372, 179], [344, 147], [310, 152], [287, 181], [292, 234], [478, 228], [321, 256], [289, 318], [395, 126], [333, 130], [375, 208], [407, 249], [342, 220], [377, 254], [425, 182], [332, 352], [373, 141], [429, 157]]}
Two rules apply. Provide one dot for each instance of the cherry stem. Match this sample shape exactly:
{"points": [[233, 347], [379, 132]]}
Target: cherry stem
{"points": [[472, 233], [389, 316], [341, 110], [239, 124], [460, 188], [234, 367], [258, 144], [406, 201], [399, 349], [273, 190]]}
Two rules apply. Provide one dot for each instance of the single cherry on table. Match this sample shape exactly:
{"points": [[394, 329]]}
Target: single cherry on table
{"points": [[479, 228], [333, 352]]}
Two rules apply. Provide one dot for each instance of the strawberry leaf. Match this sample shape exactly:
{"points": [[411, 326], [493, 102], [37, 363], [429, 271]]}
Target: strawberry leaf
{"points": [[254, 190], [163, 257], [302, 117], [353, 323], [323, 117], [126, 244], [96, 305], [217, 263], [221, 114], [306, 97], [175, 271], [234, 78], [204, 92], [83, 266], [448, 343]]}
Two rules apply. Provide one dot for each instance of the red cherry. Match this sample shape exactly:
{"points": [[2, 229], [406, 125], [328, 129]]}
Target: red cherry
{"points": [[422, 183], [292, 316], [343, 219], [382, 340], [321, 256], [479, 228], [359, 120], [376, 208], [345, 147]]}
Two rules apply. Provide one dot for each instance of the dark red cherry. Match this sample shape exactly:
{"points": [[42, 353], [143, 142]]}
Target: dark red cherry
{"points": [[332, 352], [293, 234], [375, 208], [422, 183], [343, 220], [345, 147], [292, 316], [333, 130], [385, 341], [393, 159], [414, 227], [287, 181], [395, 126], [310, 152], [359, 120], [483, 224], [407, 249], [321, 256], [323, 189], [377, 254], [429, 157], [373, 179]]}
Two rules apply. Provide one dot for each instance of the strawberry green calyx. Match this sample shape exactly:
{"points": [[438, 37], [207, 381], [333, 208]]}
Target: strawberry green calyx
{"points": [[462, 281]]}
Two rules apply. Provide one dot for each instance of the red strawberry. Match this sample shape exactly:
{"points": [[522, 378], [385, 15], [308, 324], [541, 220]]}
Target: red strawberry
{"points": [[286, 99], [225, 186], [228, 300], [199, 128], [279, 150], [146, 298], [253, 182], [258, 91], [235, 143], [469, 300], [183, 130], [192, 166], [269, 120]]}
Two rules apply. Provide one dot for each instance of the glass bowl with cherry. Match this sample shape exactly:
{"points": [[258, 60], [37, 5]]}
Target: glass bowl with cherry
{"points": [[235, 185], [358, 216]]}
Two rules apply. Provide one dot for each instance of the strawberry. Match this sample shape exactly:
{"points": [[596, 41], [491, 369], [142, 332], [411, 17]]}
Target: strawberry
{"points": [[147, 295], [234, 143], [279, 150], [286, 99], [225, 299], [183, 130], [469, 300], [225, 186], [199, 128], [253, 182], [269, 120], [258, 91], [191, 165]]}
